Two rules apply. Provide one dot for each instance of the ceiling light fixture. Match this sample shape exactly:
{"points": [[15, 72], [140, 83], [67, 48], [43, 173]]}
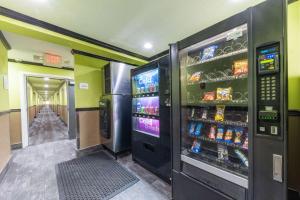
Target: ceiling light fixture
{"points": [[46, 86], [148, 45], [46, 79]]}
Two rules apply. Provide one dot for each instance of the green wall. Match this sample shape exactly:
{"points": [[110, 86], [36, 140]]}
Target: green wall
{"points": [[4, 98], [14, 71], [88, 70], [294, 55]]}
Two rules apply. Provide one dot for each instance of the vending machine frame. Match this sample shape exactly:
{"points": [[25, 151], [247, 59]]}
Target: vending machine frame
{"points": [[154, 151], [267, 178]]}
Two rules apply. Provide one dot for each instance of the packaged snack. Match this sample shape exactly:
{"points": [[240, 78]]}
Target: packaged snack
{"points": [[198, 129], [220, 133], [196, 147], [209, 96], [204, 114], [196, 77], [193, 113], [240, 67], [208, 53], [242, 157], [212, 132], [228, 135], [222, 152], [192, 127], [220, 113], [245, 145], [224, 94], [238, 136]]}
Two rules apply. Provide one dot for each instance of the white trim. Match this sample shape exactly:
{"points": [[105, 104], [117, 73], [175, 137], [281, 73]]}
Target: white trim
{"points": [[23, 99], [216, 171]]}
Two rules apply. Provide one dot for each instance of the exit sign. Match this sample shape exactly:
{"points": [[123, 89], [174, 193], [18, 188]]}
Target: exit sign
{"points": [[52, 60]]}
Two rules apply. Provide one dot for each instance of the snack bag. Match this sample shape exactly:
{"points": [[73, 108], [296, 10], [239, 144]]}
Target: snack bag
{"points": [[224, 94], [198, 129], [245, 145], [220, 113], [228, 135], [238, 136], [196, 77], [196, 147], [222, 152], [208, 52], [192, 127], [204, 114], [220, 134], [209, 96], [242, 157], [240, 67], [212, 132]]}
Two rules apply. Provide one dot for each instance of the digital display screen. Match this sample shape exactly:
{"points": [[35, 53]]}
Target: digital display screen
{"points": [[268, 60], [146, 126]]}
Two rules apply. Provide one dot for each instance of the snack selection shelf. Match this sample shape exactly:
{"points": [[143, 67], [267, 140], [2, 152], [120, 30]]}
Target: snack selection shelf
{"points": [[145, 115], [149, 94], [225, 122], [206, 139], [215, 80], [219, 57], [214, 100], [233, 103], [227, 165]]}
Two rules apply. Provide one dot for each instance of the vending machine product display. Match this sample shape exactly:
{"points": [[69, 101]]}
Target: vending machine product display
{"points": [[151, 117], [229, 108]]}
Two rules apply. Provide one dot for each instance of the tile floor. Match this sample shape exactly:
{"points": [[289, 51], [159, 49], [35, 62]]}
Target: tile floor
{"points": [[31, 175]]}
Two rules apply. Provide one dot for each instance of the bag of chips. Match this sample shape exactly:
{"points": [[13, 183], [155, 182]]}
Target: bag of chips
{"points": [[245, 145], [240, 67], [204, 114], [192, 127], [238, 136], [224, 94], [209, 96], [222, 152], [212, 132], [196, 147], [228, 135], [208, 53], [220, 113], [196, 77], [220, 133], [198, 129]]}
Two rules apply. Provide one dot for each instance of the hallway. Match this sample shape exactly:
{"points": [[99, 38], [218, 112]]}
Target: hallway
{"points": [[32, 176], [47, 127]]}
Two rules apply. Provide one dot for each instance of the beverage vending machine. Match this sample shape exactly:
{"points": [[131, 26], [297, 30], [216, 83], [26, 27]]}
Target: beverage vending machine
{"points": [[151, 117]]}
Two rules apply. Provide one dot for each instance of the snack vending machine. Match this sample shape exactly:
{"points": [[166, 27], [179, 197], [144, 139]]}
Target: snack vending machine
{"points": [[151, 117], [229, 108]]}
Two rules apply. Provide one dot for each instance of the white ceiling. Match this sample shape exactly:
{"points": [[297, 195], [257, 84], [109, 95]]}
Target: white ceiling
{"points": [[24, 48], [129, 24]]}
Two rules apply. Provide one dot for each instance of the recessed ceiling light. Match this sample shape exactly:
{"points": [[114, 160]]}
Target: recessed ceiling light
{"points": [[46, 79], [46, 86], [148, 45]]}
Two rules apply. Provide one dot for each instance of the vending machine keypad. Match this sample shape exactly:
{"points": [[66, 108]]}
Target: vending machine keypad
{"points": [[268, 90]]}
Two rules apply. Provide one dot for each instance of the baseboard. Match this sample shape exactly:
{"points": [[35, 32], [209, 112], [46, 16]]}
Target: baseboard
{"points": [[89, 150], [16, 146], [5, 169]]}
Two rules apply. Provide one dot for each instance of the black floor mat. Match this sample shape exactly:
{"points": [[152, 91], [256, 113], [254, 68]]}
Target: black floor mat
{"points": [[92, 177]]}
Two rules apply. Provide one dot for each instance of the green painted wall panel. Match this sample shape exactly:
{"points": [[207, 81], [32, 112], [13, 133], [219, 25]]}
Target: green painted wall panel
{"points": [[14, 71], [294, 55], [4, 97]]}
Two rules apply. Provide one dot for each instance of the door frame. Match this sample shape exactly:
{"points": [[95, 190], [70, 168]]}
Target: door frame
{"points": [[23, 101]]}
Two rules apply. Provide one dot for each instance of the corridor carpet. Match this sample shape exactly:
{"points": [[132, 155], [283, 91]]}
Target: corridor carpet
{"points": [[47, 127], [94, 177]]}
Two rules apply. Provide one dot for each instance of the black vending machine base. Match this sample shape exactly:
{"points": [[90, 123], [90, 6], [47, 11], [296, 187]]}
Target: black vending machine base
{"points": [[187, 188]]}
